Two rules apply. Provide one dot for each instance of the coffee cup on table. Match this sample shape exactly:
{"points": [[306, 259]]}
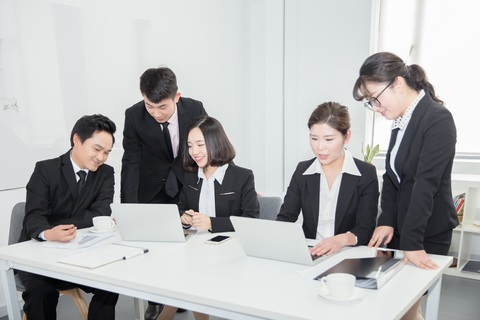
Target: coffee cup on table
{"points": [[103, 223], [339, 285]]}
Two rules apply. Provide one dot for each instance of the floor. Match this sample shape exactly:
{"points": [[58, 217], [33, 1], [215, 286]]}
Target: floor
{"points": [[460, 300]]}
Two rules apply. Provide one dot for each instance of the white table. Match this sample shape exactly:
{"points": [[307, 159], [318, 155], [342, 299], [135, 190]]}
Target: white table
{"points": [[220, 280]]}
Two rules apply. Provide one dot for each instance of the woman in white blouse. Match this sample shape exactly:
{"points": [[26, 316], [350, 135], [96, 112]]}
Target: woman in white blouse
{"points": [[336, 193]]}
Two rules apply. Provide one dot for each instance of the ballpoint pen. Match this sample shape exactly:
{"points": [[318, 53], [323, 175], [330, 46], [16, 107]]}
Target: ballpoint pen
{"points": [[188, 214], [135, 254]]}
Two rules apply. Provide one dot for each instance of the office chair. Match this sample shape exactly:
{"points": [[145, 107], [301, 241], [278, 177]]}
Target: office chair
{"points": [[269, 207], [16, 224]]}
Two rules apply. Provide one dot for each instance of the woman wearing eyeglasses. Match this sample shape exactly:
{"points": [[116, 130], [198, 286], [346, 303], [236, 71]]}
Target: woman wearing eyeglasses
{"points": [[417, 212]]}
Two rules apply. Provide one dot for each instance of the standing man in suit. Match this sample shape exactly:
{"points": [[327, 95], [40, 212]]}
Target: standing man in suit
{"points": [[152, 170], [64, 194]]}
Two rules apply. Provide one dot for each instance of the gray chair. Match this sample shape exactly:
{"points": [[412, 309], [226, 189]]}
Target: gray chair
{"points": [[16, 225], [269, 207]]}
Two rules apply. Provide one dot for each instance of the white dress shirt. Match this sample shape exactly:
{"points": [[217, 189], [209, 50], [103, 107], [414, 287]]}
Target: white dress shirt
{"points": [[329, 197], [206, 202], [402, 123], [173, 128]]}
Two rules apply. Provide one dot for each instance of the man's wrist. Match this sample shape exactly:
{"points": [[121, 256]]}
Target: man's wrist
{"points": [[42, 235]]}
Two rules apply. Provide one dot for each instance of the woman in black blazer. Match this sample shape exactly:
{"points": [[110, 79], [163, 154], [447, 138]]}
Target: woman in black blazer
{"points": [[215, 188], [418, 214], [337, 194]]}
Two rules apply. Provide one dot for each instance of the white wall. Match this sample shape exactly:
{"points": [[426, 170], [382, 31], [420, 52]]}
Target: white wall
{"points": [[326, 43]]}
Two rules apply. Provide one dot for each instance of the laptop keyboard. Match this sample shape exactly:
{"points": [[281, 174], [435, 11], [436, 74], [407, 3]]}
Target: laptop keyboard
{"points": [[315, 257]]}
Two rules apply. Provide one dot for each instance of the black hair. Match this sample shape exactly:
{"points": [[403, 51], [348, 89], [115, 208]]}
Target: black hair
{"points": [[158, 84], [87, 125], [384, 67], [220, 150], [333, 114]]}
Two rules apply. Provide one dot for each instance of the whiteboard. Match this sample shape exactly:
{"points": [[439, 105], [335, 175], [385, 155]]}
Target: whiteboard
{"points": [[58, 63]]}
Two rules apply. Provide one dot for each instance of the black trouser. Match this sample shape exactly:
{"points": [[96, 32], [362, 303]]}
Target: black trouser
{"points": [[41, 298]]}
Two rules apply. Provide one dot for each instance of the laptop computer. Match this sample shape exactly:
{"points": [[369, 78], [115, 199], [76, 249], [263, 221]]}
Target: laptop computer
{"points": [[149, 222], [275, 240]]}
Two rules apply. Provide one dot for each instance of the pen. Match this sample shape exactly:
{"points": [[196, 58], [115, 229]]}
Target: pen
{"points": [[188, 214], [135, 254]]}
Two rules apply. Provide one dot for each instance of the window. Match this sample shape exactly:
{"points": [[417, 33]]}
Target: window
{"points": [[442, 37]]}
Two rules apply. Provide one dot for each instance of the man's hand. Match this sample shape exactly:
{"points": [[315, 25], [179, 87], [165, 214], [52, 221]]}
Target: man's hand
{"points": [[61, 233]]}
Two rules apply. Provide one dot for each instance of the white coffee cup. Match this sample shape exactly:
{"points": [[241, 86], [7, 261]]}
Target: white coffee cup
{"points": [[339, 285], [103, 223]]}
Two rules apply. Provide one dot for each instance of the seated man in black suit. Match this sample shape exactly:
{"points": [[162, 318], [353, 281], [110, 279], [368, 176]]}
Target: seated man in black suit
{"points": [[60, 200]]}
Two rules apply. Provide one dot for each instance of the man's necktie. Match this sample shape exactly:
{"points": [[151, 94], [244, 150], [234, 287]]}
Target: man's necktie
{"points": [[168, 140], [81, 183]]}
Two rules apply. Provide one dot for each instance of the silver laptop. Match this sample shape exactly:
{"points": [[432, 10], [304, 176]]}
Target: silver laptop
{"points": [[149, 222], [276, 240]]}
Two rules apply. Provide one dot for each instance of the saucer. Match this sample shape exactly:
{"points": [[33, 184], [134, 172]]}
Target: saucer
{"points": [[93, 230], [357, 294]]}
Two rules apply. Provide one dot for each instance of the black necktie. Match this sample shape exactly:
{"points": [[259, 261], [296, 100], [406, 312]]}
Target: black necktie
{"points": [[81, 183], [168, 140]]}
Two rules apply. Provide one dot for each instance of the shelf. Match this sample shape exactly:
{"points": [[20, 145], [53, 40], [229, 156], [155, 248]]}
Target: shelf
{"points": [[457, 273], [469, 227], [468, 232]]}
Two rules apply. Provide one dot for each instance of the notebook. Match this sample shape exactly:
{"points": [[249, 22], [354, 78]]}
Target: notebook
{"points": [[275, 240], [100, 256], [370, 272], [472, 266], [149, 222]]}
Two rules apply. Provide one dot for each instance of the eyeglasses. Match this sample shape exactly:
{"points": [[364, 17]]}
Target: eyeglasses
{"points": [[373, 102]]}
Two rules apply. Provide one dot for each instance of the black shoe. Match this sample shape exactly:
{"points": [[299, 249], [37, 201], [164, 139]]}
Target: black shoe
{"points": [[153, 311], [180, 310]]}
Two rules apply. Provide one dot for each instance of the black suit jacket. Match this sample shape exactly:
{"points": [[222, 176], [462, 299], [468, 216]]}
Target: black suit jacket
{"points": [[52, 197], [357, 204], [146, 162], [421, 205], [236, 196]]}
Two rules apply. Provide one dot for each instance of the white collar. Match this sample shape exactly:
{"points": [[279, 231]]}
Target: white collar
{"points": [[174, 118], [402, 121], [218, 175], [348, 166], [77, 168]]}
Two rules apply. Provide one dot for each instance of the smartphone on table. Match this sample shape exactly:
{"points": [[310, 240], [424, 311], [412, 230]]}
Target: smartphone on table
{"points": [[218, 239]]}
